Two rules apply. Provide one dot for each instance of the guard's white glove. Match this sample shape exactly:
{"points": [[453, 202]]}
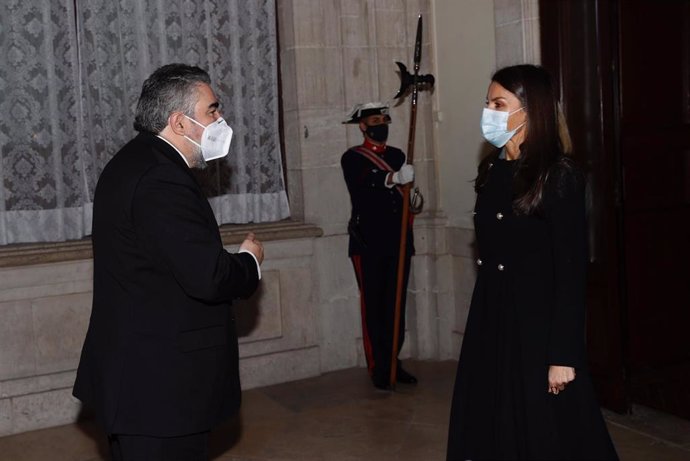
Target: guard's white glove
{"points": [[403, 175]]}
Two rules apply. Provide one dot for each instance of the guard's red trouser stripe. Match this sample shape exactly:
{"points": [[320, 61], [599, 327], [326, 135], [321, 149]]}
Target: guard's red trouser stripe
{"points": [[357, 263]]}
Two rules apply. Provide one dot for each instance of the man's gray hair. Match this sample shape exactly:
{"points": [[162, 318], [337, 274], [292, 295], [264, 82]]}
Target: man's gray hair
{"points": [[171, 88]]}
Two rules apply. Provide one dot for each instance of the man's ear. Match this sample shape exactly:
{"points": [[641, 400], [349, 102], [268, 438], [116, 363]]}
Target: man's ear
{"points": [[176, 122], [362, 126]]}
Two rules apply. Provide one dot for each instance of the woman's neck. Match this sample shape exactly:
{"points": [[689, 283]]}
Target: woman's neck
{"points": [[512, 150]]}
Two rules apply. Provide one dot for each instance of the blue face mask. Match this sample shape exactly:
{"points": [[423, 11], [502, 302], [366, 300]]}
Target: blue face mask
{"points": [[495, 126]]}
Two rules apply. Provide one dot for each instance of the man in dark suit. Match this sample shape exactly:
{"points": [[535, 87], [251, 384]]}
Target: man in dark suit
{"points": [[160, 360], [373, 171]]}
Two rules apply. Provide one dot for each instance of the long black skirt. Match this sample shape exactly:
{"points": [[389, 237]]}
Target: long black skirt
{"points": [[501, 408]]}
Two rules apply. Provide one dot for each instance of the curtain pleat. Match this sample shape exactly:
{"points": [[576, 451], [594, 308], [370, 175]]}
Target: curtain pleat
{"points": [[69, 84]]}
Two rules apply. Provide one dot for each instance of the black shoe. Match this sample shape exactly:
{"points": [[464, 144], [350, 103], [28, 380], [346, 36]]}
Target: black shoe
{"points": [[382, 385], [404, 377]]}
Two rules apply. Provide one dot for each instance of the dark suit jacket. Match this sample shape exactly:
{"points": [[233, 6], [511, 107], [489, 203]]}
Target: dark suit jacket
{"points": [[160, 356], [376, 209]]}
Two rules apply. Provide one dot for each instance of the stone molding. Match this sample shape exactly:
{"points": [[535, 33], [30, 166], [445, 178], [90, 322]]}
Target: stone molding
{"points": [[44, 253]]}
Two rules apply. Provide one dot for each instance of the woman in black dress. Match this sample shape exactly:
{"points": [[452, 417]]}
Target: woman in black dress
{"points": [[522, 389]]}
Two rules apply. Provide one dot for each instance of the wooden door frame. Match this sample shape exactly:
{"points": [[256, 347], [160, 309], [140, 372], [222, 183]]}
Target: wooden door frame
{"points": [[579, 43]]}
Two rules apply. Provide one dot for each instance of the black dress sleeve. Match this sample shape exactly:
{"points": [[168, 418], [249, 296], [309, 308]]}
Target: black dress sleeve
{"points": [[564, 202]]}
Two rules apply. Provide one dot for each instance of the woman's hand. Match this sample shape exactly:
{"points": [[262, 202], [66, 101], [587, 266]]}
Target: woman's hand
{"points": [[558, 378]]}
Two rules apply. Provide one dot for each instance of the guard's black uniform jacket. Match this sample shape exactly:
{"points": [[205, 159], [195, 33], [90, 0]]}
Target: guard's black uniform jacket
{"points": [[374, 246], [376, 208]]}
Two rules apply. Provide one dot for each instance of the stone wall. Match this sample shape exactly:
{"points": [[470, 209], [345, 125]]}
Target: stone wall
{"points": [[517, 32], [333, 55], [305, 319], [45, 308]]}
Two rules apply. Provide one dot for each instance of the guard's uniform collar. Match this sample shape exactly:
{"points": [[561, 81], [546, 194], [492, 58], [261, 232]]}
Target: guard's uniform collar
{"points": [[379, 149]]}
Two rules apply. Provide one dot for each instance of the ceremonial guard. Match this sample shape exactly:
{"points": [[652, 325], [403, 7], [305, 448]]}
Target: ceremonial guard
{"points": [[374, 173]]}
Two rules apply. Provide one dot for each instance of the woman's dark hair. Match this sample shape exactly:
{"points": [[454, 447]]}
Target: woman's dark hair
{"points": [[545, 143]]}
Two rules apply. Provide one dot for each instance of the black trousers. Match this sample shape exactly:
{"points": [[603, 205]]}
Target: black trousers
{"points": [[192, 447], [377, 279]]}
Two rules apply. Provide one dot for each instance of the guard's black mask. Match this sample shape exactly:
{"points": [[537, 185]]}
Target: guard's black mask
{"points": [[378, 133]]}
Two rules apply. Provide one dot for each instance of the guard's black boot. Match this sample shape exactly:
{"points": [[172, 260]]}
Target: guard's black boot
{"points": [[404, 377]]}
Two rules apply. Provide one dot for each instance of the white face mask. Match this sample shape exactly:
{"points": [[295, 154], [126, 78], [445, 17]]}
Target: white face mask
{"points": [[215, 140], [495, 126]]}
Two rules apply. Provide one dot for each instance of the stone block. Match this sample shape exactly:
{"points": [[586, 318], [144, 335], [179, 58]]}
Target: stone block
{"points": [[326, 200], [423, 238], [531, 31], [19, 283], [465, 274], [279, 367], [391, 30], [293, 130], [509, 45], [295, 188], [316, 24], [341, 332], [288, 80], [391, 5], [286, 28], [37, 275], [259, 318], [388, 82], [283, 320], [324, 139], [530, 9], [298, 304], [462, 242], [41, 290], [37, 384], [286, 253], [355, 31], [446, 316], [356, 8], [414, 8], [37, 411], [5, 417], [60, 325], [17, 340], [319, 74], [358, 79], [507, 11], [336, 278], [445, 282]]}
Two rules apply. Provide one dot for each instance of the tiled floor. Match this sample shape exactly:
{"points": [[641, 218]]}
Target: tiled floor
{"points": [[339, 416]]}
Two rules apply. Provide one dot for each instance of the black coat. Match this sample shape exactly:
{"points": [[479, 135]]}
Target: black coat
{"points": [[376, 215], [160, 356], [527, 313]]}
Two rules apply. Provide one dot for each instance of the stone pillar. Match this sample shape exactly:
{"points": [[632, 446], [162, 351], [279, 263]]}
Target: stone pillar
{"points": [[334, 54], [517, 32]]}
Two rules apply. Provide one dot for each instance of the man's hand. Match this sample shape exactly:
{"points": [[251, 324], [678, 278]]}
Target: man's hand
{"points": [[558, 378], [403, 175], [252, 245]]}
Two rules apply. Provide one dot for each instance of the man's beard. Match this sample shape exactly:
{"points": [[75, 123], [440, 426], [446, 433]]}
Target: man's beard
{"points": [[198, 161]]}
